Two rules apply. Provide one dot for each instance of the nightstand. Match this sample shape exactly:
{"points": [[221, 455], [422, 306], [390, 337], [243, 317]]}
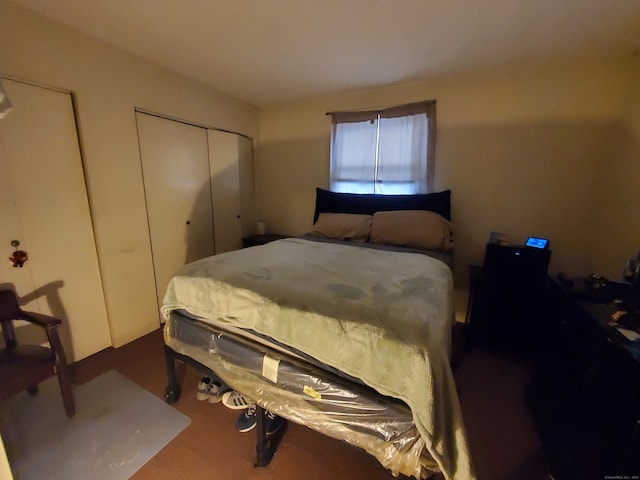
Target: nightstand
{"points": [[506, 298], [476, 278], [255, 240]]}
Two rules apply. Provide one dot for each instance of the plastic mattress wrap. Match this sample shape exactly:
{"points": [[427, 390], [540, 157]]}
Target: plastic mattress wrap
{"points": [[307, 395]]}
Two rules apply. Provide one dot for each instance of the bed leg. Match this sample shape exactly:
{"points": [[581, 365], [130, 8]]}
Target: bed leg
{"points": [[172, 392], [266, 446], [264, 452]]}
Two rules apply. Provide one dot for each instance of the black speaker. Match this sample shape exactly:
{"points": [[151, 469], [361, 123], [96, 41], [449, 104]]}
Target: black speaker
{"points": [[511, 303], [515, 267]]}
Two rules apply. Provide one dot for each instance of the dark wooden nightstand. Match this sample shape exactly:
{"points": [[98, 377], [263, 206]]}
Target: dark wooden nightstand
{"points": [[476, 277], [506, 298], [255, 240]]}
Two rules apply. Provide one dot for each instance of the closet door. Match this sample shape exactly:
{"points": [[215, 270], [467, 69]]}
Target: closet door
{"points": [[44, 205], [175, 168], [225, 188], [10, 230], [247, 188]]}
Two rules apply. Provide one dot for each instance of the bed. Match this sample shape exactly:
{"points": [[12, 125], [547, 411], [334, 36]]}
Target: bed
{"points": [[346, 330]]}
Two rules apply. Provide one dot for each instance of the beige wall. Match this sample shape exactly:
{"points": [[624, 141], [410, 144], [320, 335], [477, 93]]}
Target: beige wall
{"points": [[520, 150], [618, 190], [525, 152], [107, 84]]}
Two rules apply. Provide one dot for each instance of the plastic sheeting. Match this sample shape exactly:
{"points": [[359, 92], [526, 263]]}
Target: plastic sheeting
{"points": [[307, 395]]}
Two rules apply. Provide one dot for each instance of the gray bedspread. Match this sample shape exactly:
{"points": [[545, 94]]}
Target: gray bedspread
{"points": [[383, 317]]}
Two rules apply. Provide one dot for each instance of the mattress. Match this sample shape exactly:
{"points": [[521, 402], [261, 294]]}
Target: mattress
{"points": [[305, 394], [381, 317]]}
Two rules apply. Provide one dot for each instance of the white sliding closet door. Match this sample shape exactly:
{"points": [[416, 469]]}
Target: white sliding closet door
{"points": [[224, 167], [247, 189], [175, 168], [44, 205], [199, 192]]}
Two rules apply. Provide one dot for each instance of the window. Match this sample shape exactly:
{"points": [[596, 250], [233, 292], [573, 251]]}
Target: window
{"points": [[386, 151]]}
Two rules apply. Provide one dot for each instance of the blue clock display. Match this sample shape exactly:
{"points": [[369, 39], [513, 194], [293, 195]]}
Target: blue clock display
{"points": [[537, 242]]}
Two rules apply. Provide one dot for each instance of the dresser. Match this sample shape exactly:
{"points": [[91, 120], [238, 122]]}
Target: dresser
{"points": [[584, 395]]}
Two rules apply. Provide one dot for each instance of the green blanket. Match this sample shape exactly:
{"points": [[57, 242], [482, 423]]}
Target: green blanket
{"points": [[383, 317]]}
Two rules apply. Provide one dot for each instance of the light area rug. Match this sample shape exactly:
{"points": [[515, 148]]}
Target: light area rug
{"points": [[117, 428]]}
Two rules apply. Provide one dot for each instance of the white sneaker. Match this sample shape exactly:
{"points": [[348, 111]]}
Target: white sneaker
{"points": [[202, 391], [216, 391], [235, 400]]}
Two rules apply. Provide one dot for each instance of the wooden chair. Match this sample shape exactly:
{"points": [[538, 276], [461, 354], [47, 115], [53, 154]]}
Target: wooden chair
{"points": [[23, 367]]}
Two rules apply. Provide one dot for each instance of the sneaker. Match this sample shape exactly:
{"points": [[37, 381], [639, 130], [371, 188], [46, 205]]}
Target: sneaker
{"points": [[202, 391], [272, 423], [235, 400], [216, 391], [247, 419]]}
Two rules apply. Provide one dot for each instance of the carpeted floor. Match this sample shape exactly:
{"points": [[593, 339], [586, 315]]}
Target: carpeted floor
{"points": [[118, 427], [502, 437]]}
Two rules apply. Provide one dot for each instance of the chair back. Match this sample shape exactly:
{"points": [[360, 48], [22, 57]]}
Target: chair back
{"points": [[9, 307]]}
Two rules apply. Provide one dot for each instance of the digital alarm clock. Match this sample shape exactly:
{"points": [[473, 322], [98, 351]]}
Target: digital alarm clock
{"points": [[536, 242]]}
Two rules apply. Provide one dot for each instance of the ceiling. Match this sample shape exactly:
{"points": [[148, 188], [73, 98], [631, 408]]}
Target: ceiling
{"points": [[273, 51]]}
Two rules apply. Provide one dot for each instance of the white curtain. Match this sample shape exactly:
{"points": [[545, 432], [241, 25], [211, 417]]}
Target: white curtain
{"points": [[5, 103], [390, 151], [353, 147], [402, 155]]}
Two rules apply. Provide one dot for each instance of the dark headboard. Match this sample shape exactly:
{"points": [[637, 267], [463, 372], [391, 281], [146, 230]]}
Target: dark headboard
{"points": [[368, 204]]}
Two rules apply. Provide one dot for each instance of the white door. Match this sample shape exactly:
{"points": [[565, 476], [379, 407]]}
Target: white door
{"points": [[175, 168], [247, 189], [44, 205], [20, 279], [225, 187]]}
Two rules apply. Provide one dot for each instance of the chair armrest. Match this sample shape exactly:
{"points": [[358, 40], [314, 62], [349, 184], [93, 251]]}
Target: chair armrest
{"points": [[51, 325], [39, 319]]}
